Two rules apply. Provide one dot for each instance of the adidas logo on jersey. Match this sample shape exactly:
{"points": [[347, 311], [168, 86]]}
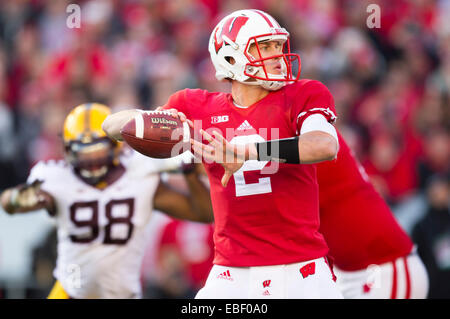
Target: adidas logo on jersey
{"points": [[225, 275], [266, 293], [245, 126]]}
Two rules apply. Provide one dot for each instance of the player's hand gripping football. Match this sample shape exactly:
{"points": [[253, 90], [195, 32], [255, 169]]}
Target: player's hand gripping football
{"points": [[114, 123], [219, 150], [177, 114]]}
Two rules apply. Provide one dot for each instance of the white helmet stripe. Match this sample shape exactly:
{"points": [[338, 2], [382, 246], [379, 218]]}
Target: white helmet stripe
{"points": [[269, 19]]}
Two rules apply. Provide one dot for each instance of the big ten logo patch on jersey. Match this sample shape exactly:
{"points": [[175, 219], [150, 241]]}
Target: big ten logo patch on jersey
{"points": [[219, 119], [308, 269]]}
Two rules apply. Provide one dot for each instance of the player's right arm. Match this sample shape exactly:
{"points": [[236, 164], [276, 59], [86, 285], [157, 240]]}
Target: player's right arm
{"points": [[26, 198]]}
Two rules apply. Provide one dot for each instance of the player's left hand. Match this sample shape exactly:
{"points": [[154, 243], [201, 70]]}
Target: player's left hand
{"points": [[219, 150]]}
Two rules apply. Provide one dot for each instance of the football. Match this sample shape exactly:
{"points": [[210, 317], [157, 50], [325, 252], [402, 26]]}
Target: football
{"points": [[157, 134]]}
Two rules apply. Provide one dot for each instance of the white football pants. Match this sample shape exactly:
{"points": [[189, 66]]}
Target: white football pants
{"points": [[307, 280], [404, 278]]}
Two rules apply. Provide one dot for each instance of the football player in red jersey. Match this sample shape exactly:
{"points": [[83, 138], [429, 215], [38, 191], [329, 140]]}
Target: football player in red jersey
{"points": [[373, 255], [265, 199]]}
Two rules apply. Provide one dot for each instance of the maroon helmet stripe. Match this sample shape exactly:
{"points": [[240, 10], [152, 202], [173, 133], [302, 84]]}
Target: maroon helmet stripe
{"points": [[265, 18]]}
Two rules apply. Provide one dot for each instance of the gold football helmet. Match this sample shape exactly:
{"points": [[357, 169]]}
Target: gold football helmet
{"points": [[87, 148]]}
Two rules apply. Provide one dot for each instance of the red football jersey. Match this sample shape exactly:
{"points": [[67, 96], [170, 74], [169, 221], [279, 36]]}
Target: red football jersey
{"points": [[358, 225], [268, 214]]}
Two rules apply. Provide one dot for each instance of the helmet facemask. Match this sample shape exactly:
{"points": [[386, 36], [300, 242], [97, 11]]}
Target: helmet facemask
{"points": [[256, 68], [91, 160]]}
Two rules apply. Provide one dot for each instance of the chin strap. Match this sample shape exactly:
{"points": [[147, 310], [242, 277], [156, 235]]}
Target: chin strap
{"points": [[272, 85], [266, 84]]}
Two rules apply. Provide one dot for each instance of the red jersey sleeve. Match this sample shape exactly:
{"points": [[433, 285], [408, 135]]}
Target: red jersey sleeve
{"points": [[312, 97], [178, 101]]}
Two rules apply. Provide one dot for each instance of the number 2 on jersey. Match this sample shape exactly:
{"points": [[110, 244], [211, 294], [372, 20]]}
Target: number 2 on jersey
{"points": [[243, 189], [94, 224]]}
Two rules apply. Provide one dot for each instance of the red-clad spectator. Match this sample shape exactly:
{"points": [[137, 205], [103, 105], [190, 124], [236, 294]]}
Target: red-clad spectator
{"points": [[195, 245], [391, 165]]}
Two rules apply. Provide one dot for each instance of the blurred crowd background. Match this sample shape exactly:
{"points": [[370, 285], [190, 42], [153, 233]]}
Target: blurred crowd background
{"points": [[391, 87]]}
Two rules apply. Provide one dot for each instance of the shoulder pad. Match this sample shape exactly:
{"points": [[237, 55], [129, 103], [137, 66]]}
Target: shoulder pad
{"points": [[46, 170]]}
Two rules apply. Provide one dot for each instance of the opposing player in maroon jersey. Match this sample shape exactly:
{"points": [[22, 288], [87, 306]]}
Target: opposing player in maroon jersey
{"points": [[259, 143], [374, 256]]}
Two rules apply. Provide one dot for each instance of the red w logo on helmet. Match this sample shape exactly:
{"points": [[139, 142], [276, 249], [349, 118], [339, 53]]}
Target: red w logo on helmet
{"points": [[230, 29]]}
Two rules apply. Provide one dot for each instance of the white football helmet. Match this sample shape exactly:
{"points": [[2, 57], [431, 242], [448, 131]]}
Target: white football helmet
{"points": [[232, 38]]}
